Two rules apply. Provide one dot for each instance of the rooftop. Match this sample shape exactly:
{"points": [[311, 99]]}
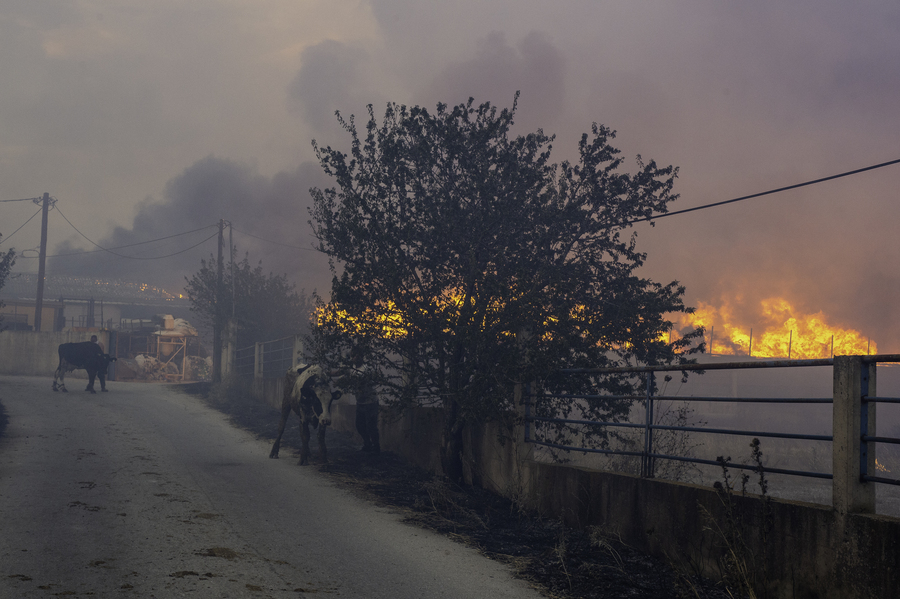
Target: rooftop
{"points": [[23, 286]]}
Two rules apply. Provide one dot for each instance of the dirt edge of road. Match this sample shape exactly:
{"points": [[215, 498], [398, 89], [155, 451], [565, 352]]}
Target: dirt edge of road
{"points": [[4, 419], [560, 562]]}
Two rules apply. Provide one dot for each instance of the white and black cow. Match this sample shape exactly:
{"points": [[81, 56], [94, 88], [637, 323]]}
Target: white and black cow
{"points": [[87, 355], [307, 392]]}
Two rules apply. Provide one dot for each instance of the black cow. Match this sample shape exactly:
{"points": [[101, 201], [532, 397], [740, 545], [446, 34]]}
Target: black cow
{"points": [[86, 355], [307, 392]]}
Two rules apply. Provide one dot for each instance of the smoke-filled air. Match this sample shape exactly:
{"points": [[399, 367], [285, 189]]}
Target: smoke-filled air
{"points": [[149, 123]]}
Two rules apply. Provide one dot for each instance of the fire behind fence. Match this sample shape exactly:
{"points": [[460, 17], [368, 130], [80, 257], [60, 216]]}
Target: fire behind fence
{"points": [[542, 423]]}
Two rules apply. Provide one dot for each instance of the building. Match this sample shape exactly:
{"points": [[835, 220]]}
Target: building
{"points": [[84, 302]]}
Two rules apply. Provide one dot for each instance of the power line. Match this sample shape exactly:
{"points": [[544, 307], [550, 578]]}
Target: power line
{"points": [[103, 249], [771, 191], [2, 241], [293, 247], [119, 247], [199, 243]]}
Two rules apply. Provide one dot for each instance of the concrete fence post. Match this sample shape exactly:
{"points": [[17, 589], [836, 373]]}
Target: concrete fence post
{"points": [[521, 481], [228, 347], [523, 413], [298, 350], [524, 407], [258, 361], [852, 418]]}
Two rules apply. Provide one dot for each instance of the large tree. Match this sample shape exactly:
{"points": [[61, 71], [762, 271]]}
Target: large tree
{"points": [[7, 261], [266, 306], [466, 262]]}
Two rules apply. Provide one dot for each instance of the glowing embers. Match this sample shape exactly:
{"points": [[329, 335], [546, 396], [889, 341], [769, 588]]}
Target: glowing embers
{"points": [[778, 331]]}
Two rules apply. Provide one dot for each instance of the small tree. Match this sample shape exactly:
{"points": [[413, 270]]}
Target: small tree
{"points": [[466, 262], [266, 306], [7, 261]]}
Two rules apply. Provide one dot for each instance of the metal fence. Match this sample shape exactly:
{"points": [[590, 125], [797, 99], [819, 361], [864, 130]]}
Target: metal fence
{"points": [[277, 357], [267, 359], [865, 439], [649, 426], [245, 361]]}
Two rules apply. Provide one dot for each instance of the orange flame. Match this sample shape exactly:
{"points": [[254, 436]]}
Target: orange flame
{"points": [[782, 333]]}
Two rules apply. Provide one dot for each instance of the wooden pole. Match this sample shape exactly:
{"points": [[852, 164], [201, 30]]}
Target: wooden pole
{"points": [[42, 263], [750, 350], [217, 328], [790, 341]]}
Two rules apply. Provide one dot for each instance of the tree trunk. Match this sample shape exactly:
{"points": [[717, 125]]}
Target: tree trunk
{"points": [[452, 444]]}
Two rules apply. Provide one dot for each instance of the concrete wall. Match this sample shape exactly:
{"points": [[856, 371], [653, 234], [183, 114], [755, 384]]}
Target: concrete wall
{"points": [[811, 551], [26, 353], [268, 391]]}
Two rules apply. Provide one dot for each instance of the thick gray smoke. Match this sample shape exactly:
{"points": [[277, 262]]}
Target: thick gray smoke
{"points": [[269, 216], [497, 71], [103, 104], [333, 76]]}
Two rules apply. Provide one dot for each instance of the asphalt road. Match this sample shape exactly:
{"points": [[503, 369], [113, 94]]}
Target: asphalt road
{"points": [[145, 492]]}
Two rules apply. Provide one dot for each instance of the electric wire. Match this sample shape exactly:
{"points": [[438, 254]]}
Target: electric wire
{"points": [[199, 243], [119, 247], [764, 193], [100, 248], [7, 238], [293, 247], [650, 218]]}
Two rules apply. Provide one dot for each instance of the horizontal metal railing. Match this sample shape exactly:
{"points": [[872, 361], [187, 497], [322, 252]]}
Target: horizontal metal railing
{"points": [[268, 359], [277, 357], [876, 439], [648, 426], [244, 361]]}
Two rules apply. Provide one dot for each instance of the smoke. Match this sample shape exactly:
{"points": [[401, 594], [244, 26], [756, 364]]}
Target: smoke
{"points": [[497, 71], [269, 216], [333, 76], [741, 97]]}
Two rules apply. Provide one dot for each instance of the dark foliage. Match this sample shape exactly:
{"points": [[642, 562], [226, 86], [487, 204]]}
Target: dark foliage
{"points": [[266, 306], [466, 262], [7, 261]]}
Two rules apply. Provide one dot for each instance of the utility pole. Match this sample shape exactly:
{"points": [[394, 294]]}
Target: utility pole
{"points": [[42, 263], [229, 340], [217, 329], [231, 257]]}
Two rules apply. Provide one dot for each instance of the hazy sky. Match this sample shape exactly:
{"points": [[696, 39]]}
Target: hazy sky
{"points": [[146, 119]]}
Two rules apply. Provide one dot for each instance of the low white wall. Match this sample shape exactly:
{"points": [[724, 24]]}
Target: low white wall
{"points": [[26, 353]]}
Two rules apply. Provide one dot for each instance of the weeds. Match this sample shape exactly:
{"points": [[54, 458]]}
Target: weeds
{"points": [[599, 540], [743, 537], [447, 504], [676, 443], [561, 552]]}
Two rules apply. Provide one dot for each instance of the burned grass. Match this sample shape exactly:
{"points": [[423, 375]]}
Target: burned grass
{"points": [[561, 562]]}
